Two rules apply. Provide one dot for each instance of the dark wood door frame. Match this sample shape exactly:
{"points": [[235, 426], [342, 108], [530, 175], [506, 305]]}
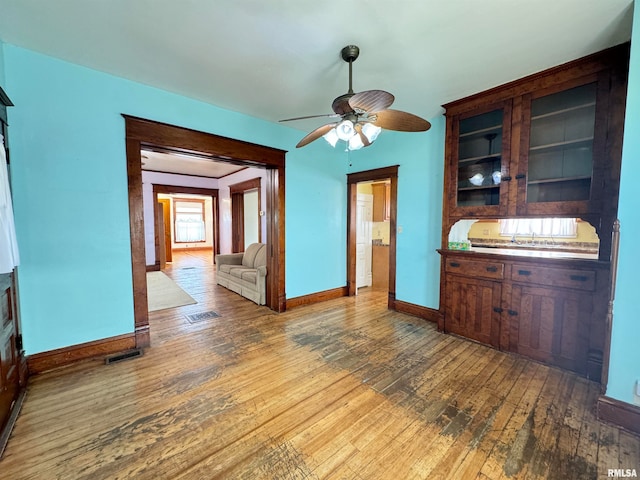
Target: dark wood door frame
{"points": [[237, 191], [352, 194], [205, 192], [141, 133]]}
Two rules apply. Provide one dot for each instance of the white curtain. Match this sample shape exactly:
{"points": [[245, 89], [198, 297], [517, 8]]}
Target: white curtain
{"points": [[189, 230], [9, 257], [543, 227]]}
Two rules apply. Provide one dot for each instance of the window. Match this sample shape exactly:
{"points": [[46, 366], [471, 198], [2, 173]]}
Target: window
{"points": [[543, 227], [189, 220]]}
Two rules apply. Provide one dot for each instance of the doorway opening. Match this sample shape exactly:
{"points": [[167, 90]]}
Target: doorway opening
{"points": [[185, 218], [371, 212], [141, 133]]}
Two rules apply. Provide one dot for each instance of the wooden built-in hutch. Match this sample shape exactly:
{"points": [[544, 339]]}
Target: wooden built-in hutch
{"points": [[548, 145]]}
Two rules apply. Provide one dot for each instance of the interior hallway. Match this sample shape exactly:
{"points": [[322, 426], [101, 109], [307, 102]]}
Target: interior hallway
{"points": [[344, 389]]}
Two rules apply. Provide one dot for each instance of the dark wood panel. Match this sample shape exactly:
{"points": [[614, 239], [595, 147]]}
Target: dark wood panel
{"points": [[469, 308], [425, 313], [42, 362], [186, 140], [458, 266], [558, 277], [619, 413], [551, 325], [317, 297]]}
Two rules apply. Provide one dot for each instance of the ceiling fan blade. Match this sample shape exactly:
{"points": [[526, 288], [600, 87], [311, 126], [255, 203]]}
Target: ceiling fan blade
{"points": [[371, 101], [317, 133], [330, 115], [363, 137], [401, 121]]}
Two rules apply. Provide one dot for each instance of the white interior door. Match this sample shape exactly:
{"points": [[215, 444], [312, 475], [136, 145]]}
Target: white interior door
{"points": [[364, 221]]}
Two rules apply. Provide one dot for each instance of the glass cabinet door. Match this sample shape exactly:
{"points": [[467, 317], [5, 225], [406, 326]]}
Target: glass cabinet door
{"points": [[560, 154], [479, 154]]}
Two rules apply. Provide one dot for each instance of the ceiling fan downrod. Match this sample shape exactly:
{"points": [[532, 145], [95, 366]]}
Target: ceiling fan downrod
{"points": [[350, 54]]}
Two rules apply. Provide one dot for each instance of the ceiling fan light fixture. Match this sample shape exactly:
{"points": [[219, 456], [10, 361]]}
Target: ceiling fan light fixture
{"points": [[371, 131], [355, 143], [331, 137], [345, 130]]}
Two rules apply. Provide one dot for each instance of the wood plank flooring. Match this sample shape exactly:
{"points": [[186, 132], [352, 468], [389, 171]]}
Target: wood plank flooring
{"points": [[344, 389]]}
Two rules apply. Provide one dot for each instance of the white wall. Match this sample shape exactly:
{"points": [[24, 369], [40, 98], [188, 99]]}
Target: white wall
{"points": [[225, 203], [251, 218]]}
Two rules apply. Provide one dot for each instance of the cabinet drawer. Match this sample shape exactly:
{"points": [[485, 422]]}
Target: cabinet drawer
{"points": [[556, 277], [475, 268]]}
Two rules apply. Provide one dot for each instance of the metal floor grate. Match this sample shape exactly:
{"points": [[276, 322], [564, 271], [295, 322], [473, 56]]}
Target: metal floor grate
{"points": [[201, 317]]}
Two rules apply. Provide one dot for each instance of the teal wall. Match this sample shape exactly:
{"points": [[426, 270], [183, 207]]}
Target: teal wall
{"points": [[70, 195], [420, 157], [624, 362], [2, 64]]}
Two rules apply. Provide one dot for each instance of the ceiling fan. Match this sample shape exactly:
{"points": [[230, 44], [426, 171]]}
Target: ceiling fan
{"points": [[361, 115]]}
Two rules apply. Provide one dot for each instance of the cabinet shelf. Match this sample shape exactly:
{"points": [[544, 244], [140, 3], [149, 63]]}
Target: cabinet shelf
{"points": [[480, 187], [480, 131], [574, 143], [480, 159], [559, 179], [563, 111]]}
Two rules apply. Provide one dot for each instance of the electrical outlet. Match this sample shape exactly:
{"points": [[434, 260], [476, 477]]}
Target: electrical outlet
{"points": [[638, 387]]}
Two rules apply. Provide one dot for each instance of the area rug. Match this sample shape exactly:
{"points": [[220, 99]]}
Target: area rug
{"points": [[162, 292]]}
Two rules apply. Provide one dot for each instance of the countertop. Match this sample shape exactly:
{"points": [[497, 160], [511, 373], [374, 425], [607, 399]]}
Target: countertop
{"points": [[525, 252]]}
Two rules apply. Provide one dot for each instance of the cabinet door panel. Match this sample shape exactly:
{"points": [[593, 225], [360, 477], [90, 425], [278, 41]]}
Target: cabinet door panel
{"points": [[478, 157], [559, 143], [551, 325], [470, 308]]}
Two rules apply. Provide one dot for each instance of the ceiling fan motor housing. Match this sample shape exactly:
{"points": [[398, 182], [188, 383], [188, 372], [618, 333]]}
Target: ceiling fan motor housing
{"points": [[350, 53]]}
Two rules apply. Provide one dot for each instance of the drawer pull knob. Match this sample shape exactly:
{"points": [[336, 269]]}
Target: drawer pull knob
{"points": [[578, 278], [492, 269], [507, 178], [498, 309], [454, 264], [520, 175], [513, 313], [524, 272]]}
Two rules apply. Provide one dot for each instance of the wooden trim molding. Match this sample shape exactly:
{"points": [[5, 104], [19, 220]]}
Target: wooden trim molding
{"points": [[241, 187], [619, 413], [41, 362], [417, 310], [318, 297]]}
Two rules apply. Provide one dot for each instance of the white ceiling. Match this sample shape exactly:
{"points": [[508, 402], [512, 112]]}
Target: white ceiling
{"points": [[187, 164], [276, 59]]}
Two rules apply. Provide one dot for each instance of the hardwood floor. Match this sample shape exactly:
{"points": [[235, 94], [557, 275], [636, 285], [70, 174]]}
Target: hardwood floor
{"points": [[345, 389]]}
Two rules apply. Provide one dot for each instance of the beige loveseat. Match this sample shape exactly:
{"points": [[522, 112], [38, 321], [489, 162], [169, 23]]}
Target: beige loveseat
{"points": [[244, 273]]}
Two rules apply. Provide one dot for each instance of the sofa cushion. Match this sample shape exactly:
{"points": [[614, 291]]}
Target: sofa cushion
{"points": [[249, 276], [250, 254], [238, 271], [226, 268]]}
